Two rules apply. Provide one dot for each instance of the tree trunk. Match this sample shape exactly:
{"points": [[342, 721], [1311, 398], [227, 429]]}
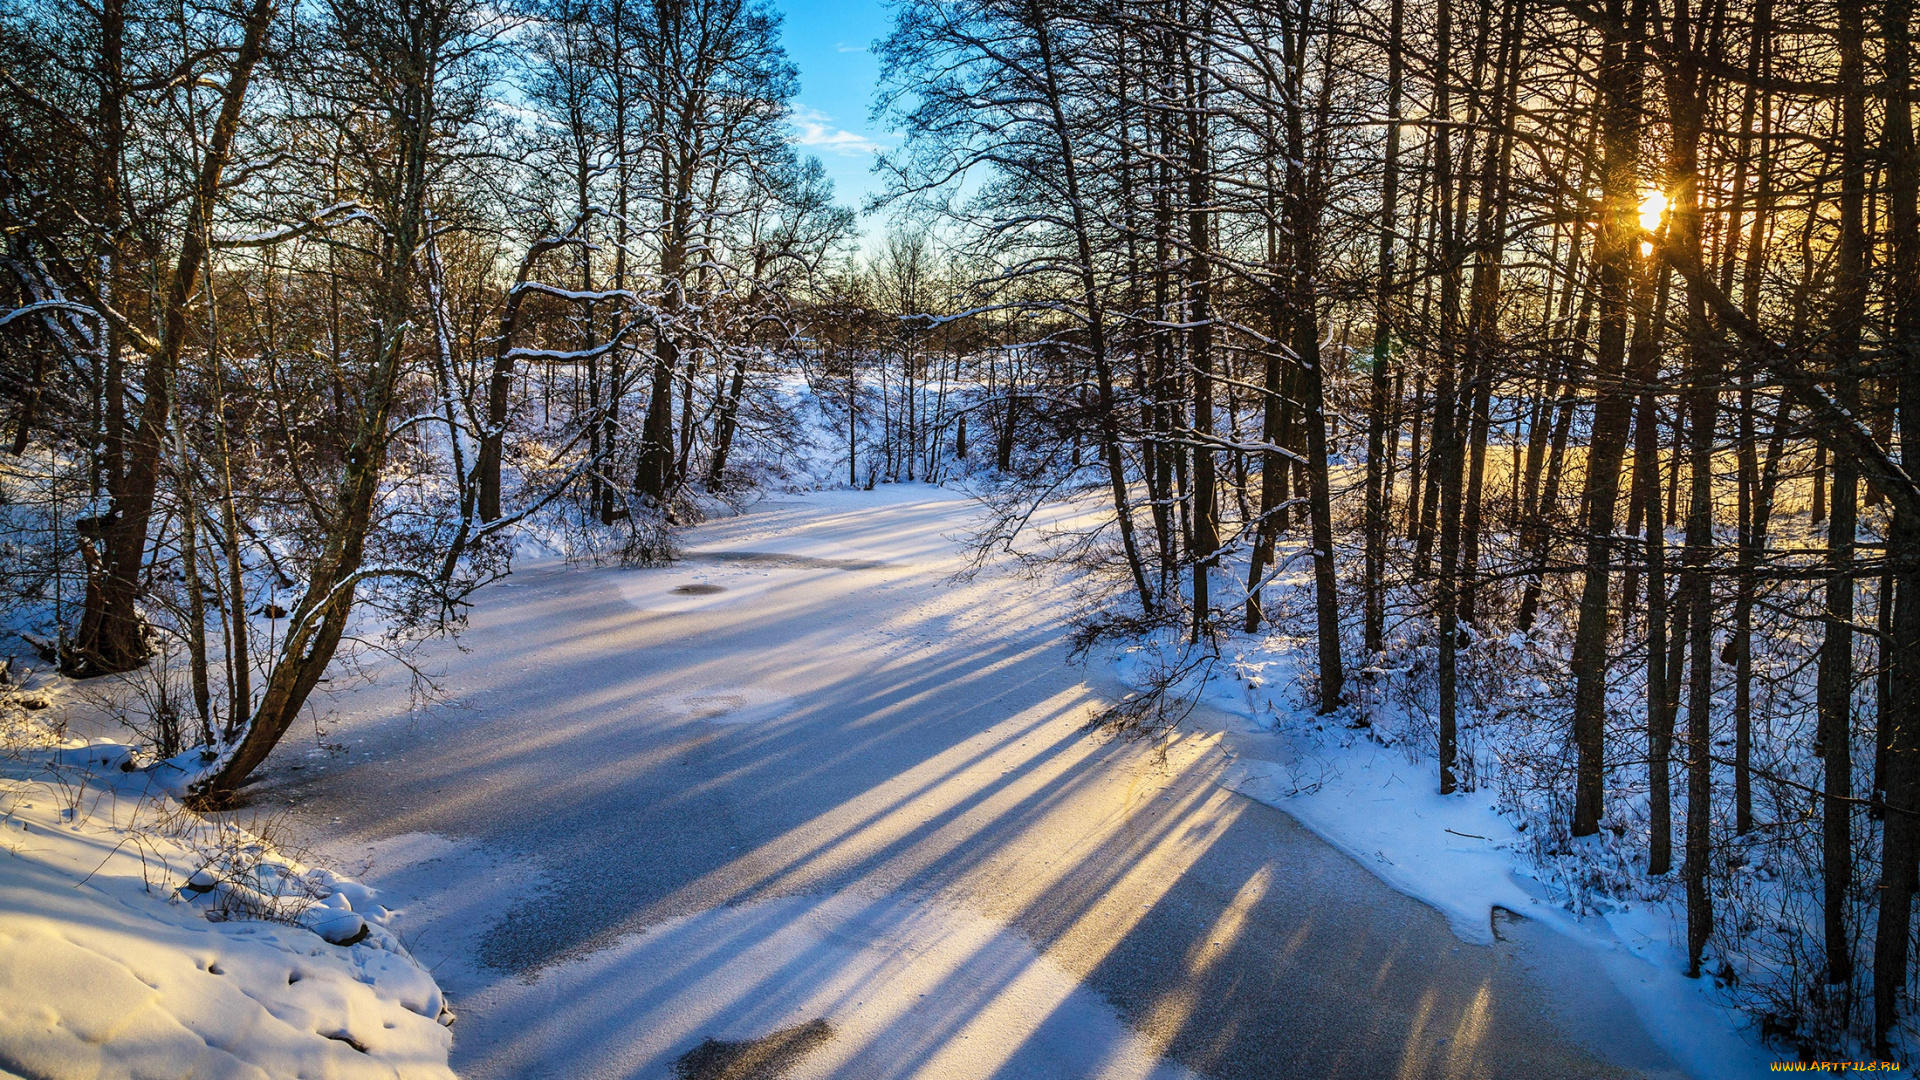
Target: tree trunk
{"points": [[1096, 329], [111, 637], [1620, 77], [1834, 690], [1379, 378], [320, 618]]}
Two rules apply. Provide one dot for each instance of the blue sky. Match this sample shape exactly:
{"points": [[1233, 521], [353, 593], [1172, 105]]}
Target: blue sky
{"points": [[831, 41]]}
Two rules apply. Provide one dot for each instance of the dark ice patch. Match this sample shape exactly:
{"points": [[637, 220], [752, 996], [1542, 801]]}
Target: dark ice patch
{"points": [[766, 1058]]}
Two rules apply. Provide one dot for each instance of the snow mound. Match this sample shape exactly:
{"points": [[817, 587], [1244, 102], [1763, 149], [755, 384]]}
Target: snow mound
{"points": [[139, 939]]}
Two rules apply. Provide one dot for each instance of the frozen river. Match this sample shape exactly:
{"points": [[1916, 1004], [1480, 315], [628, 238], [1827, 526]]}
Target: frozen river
{"points": [[803, 804]]}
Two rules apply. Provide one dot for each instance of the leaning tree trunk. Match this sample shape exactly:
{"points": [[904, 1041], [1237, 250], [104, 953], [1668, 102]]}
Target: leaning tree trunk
{"points": [[320, 618]]}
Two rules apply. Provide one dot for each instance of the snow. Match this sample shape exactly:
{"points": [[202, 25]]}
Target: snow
{"points": [[654, 818], [682, 592], [40, 306], [900, 982], [127, 948], [909, 984], [807, 922], [594, 295], [763, 564], [1458, 853], [924, 525]]}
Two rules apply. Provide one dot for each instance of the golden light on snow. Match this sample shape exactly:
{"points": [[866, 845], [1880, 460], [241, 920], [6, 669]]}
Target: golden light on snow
{"points": [[1007, 789]]}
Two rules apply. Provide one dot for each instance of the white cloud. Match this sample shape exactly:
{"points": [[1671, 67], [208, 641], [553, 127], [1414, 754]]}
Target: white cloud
{"points": [[816, 131], [843, 48]]}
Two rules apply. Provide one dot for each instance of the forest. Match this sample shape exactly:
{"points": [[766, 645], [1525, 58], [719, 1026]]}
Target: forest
{"points": [[1544, 370]]}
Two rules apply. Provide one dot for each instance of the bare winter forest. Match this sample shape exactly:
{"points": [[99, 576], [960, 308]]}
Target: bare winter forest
{"points": [[1542, 374]]}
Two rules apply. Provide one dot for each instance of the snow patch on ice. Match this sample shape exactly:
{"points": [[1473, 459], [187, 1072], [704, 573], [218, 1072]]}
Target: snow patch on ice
{"points": [[732, 706], [838, 526], [771, 557], [683, 589]]}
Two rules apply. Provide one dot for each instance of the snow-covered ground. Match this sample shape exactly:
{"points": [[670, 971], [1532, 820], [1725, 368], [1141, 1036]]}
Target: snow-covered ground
{"points": [[138, 939], [804, 796]]}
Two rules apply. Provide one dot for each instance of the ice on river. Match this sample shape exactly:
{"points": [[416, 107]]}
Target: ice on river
{"points": [[908, 987]]}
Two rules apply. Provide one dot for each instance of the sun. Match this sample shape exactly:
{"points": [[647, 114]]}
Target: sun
{"points": [[1652, 208]]}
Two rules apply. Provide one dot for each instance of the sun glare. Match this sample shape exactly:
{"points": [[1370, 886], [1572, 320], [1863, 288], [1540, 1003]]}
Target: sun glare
{"points": [[1652, 208]]}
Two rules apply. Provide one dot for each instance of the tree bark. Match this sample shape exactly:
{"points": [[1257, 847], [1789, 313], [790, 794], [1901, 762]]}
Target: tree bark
{"points": [[1379, 377], [1620, 89], [111, 637]]}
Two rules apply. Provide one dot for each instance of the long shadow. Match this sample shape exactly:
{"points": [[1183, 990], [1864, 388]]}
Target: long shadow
{"points": [[657, 791], [1235, 942]]}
